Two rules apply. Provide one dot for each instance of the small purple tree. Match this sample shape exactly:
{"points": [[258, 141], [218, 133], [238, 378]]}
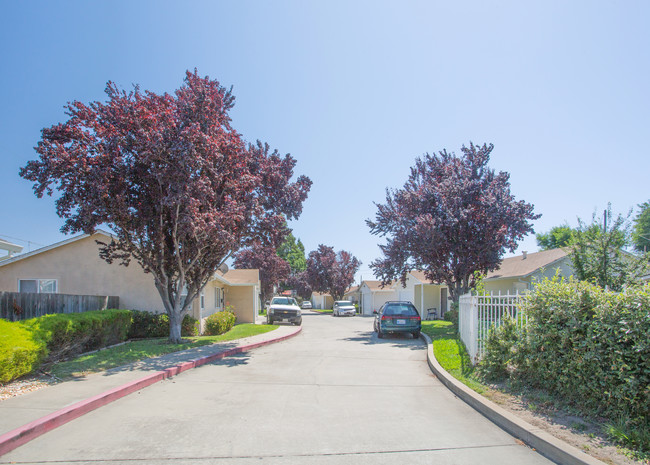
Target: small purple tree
{"points": [[273, 268], [453, 217], [329, 272], [174, 181]]}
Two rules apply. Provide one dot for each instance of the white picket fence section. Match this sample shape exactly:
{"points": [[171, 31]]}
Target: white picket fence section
{"points": [[479, 314]]}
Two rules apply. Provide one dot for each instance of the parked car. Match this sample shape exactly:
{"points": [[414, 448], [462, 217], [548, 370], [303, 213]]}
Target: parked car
{"points": [[397, 317], [343, 307], [306, 304], [284, 309]]}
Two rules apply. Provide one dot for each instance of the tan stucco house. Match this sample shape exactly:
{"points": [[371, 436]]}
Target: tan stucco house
{"points": [[321, 301], [73, 266]]}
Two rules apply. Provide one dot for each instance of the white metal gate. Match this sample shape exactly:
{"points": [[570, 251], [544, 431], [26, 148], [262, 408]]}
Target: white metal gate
{"points": [[480, 314]]}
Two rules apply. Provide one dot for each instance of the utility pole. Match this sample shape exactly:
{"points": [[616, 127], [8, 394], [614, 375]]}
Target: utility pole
{"points": [[606, 245]]}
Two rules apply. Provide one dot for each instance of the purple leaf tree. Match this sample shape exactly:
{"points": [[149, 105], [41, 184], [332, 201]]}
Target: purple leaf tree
{"points": [[453, 217], [174, 181], [331, 272], [273, 268]]}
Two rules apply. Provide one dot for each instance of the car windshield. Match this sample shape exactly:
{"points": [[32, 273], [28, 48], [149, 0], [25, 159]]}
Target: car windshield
{"points": [[400, 310], [282, 301], [344, 303]]}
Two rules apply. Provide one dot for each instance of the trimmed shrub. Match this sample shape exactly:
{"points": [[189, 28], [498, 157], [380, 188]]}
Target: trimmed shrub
{"points": [[585, 345], [68, 334], [20, 353], [219, 323], [149, 325]]}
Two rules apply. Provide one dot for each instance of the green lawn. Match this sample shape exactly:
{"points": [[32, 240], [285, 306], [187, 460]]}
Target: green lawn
{"points": [[146, 348], [451, 354], [321, 310]]}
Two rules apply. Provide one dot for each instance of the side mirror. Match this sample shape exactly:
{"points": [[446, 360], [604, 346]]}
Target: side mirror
{"points": [[374, 312]]}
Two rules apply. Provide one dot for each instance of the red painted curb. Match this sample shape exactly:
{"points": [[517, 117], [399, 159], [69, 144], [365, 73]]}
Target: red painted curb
{"points": [[22, 435]]}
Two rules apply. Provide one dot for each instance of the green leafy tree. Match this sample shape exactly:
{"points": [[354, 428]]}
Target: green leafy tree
{"points": [[641, 229], [598, 255], [558, 236], [293, 252]]}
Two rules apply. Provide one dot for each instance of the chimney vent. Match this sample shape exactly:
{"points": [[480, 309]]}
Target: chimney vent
{"points": [[524, 254]]}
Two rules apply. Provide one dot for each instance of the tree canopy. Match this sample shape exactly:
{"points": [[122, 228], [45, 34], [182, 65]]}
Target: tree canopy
{"points": [[558, 236], [330, 272], [641, 231], [178, 186], [598, 255], [293, 252], [453, 217]]}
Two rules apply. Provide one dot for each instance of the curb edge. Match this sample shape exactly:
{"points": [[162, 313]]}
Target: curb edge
{"points": [[23, 434]]}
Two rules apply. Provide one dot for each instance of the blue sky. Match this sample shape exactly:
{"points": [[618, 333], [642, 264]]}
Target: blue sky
{"points": [[355, 91]]}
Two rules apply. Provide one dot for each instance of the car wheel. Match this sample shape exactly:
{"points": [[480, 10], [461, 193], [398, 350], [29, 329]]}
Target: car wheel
{"points": [[380, 333], [269, 322], [416, 334]]}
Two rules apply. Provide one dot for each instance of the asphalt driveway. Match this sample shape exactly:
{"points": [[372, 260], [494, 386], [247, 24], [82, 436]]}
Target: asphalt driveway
{"points": [[335, 394]]}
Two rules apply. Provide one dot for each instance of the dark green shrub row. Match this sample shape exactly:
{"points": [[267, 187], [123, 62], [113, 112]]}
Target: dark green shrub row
{"points": [[67, 334], [20, 352], [219, 323], [588, 346], [147, 324]]}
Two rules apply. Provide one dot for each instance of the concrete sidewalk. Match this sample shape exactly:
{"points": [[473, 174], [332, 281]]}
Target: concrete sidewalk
{"points": [[27, 416]]}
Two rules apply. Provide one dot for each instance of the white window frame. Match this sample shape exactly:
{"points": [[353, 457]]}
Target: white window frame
{"points": [[40, 283]]}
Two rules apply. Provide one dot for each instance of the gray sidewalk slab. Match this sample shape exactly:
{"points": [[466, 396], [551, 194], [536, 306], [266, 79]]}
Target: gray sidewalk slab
{"points": [[20, 410]]}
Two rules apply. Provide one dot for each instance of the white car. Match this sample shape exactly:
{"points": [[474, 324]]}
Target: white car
{"points": [[306, 304], [283, 309], [343, 307]]}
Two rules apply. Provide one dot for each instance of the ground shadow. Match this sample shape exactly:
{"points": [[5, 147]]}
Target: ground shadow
{"points": [[395, 339]]}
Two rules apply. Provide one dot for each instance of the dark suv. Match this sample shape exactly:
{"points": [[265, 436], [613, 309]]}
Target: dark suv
{"points": [[397, 317]]}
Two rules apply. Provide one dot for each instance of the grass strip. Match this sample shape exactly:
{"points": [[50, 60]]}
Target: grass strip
{"points": [[451, 354], [134, 351]]}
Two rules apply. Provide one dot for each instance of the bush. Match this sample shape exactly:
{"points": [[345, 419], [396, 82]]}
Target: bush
{"points": [[20, 353], [68, 334], [500, 351], [219, 323], [452, 315], [585, 345], [148, 325]]}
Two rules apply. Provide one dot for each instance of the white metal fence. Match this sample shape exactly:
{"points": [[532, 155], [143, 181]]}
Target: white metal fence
{"points": [[479, 314]]}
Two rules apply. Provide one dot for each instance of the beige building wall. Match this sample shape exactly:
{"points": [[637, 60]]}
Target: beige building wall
{"points": [[243, 298], [79, 270]]}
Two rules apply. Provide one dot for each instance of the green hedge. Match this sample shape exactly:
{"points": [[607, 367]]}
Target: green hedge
{"points": [[69, 334], [20, 352], [219, 323], [583, 344], [147, 325]]}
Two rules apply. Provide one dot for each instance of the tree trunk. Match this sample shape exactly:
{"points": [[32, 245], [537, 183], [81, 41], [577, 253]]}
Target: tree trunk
{"points": [[175, 321]]}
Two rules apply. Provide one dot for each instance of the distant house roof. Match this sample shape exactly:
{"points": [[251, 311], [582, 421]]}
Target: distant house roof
{"points": [[375, 286], [352, 289], [9, 247], [318, 294], [70, 240], [240, 277], [525, 265], [420, 276]]}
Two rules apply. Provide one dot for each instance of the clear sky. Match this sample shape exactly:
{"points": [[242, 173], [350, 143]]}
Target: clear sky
{"points": [[355, 91]]}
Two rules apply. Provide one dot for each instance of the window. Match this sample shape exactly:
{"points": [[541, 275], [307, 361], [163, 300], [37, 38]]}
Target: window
{"points": [[41, 286], [202, 301], [218, 298]]}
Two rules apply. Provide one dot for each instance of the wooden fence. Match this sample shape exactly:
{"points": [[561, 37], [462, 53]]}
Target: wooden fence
{"points": [[16, 306]]}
